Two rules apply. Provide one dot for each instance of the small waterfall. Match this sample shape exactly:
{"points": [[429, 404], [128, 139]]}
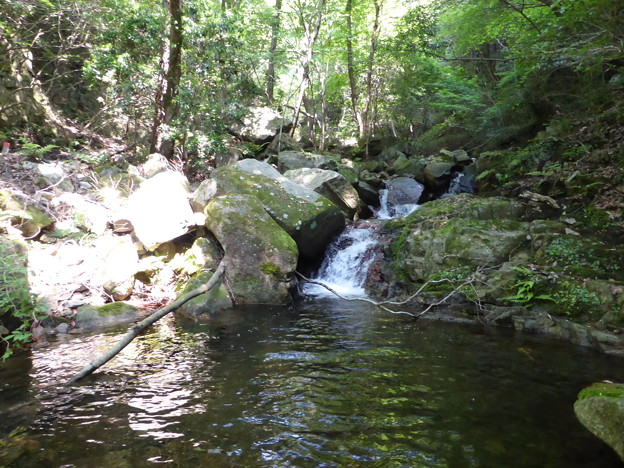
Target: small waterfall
{"points": [[347, 262], [460, 183], [389, 210]]}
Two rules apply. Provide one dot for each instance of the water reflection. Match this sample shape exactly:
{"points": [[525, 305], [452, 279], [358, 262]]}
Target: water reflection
{"points": [[327, 384]]}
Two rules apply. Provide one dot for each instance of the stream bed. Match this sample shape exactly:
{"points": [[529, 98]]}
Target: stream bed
{"points": [[325, 384]]}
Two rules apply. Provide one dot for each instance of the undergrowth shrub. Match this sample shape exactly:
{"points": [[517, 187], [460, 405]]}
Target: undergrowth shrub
{"points": [[18, 306]]}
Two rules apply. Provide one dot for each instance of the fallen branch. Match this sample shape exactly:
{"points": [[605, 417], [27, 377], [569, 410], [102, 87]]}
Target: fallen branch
{"points": [[139, 327], [382, 305]]}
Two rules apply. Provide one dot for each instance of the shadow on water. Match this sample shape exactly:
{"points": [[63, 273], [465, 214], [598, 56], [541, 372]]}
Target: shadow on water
{"points": [[324, 384]]}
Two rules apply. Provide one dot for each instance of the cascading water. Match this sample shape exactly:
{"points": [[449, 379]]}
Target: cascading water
{"points": [[389, 210], [347, 262], [349, 258]]}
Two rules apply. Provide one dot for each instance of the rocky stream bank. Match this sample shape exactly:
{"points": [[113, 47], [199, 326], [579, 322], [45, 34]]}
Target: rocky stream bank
{"points": [[106, 245]]}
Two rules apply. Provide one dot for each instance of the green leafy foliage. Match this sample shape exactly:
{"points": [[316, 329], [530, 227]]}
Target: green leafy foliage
{"points": [[575, 300], [18, 306], [526, 286]]}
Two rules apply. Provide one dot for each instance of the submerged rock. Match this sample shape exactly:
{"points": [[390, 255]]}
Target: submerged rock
{"points": [[208, 303]]}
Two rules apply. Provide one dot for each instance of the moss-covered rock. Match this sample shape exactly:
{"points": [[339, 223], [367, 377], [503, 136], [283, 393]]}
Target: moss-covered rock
{"points": [[29, 219], [261, 256], [459, 242], [214, 300], [101, 316], [600, 408], [308, 217]]}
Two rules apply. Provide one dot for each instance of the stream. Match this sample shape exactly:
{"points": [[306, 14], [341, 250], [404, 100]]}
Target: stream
{"points": [[327, 383]]}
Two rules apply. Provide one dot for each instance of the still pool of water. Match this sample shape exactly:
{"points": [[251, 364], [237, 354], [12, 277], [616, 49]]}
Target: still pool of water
{"points": [[321, 385]]}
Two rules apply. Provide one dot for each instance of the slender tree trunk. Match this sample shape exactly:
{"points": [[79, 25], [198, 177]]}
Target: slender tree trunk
{"points": [[270, 76], [366, 117], [171, 60], [139, 327], [351, 71], [311, 36]]}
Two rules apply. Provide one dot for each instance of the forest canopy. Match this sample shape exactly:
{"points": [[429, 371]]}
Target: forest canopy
{"points": [[172, 76]]}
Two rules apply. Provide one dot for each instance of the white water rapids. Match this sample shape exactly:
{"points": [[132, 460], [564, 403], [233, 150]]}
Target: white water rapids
{"points": [[348, 259]]}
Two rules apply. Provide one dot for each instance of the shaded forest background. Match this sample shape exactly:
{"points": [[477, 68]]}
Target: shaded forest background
{"points": [[540, 78]]}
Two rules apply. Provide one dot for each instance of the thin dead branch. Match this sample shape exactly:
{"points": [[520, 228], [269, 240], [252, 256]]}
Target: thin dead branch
{"points": [[139, 327], [384, 304]]}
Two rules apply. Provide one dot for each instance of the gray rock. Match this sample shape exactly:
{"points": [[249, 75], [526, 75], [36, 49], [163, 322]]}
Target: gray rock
{"points": [[403, 191], [160, 210], [261, 125], [261, 256], [87, 214], [308, 217], [118, 266], [54, 173], [206, 191], [227, 156], [63, 328], [437, 175], [600, 408], [155, 163], [289, 160], [90, 317], [330, 184], [367, 193]]}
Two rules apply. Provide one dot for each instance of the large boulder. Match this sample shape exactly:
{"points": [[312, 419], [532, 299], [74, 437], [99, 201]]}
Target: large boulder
{"points": [[261, 256], [331, 185], [403, 191], [459, 243], [160, 210], [600, 408], [261, 124], [438, 176], [289, 160], [308, 217], [206, 191]]}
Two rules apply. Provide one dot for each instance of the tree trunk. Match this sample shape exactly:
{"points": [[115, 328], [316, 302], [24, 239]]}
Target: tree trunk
{"points": [[138, 328], [351, 71], [270, 76], [166, 108], [311, 36], [366, 117]]}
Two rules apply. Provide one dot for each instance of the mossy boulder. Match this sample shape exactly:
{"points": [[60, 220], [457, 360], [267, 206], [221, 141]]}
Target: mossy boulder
{"points": [[261, 256], [29, 219], [459, 242], [109, 314], [213, 301], [308, 217], [600, 408]]}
